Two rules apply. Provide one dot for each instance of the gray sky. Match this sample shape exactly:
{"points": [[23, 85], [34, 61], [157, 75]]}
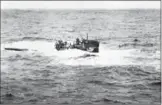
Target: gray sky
{"points": [[79, 4]]}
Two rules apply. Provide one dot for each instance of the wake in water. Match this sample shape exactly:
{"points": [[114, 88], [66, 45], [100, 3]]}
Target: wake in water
{"points": [[105, 57], [73, 56]]}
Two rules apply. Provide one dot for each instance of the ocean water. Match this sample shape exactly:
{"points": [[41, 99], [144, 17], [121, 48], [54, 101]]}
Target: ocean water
{"points": [[123, 72]]}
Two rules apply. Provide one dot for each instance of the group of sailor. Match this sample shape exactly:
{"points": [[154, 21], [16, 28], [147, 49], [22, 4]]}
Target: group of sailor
{"points": [[61, 44], [64, 44]]}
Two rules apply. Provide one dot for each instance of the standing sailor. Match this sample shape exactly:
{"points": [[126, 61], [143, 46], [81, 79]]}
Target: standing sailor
{"points": [[77, 41]]}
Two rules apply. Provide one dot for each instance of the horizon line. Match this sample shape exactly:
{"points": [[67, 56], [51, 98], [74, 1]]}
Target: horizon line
{"points": [[80, 8]]}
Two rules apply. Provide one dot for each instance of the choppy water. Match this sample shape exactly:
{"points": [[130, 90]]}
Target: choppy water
{"points": [[123, 72]]}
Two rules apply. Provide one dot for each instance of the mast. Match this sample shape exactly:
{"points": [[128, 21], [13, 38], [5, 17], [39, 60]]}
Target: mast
{"points": [[87, 36]]}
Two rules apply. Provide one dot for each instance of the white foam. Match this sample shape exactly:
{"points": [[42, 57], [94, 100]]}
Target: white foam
{"points": [[41, 46], [105, 56]]}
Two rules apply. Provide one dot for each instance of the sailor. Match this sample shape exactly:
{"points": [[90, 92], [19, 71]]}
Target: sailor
{"points": [[77, 41], [65, 44], [57, 45], [61, 44]]}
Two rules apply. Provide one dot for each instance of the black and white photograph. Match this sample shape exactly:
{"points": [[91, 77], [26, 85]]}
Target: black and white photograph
{"points": [[80, 52]]}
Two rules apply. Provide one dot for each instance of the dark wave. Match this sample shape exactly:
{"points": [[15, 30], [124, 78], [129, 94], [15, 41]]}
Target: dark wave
{"points": [[139, 71], [35, 38], [111, 101], [98, 82], [14, 58], [87, 55], [28, 39], [156, 83], [136, 45]]}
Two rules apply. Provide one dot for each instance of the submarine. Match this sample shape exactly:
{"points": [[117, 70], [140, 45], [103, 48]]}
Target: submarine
{"points": [[16, 49], [84, 44]]}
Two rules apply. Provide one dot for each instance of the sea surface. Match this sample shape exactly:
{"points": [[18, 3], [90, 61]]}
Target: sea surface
{"points": [[125, 71]]}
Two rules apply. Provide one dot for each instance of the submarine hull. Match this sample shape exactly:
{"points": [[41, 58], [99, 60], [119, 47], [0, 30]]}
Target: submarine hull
{"points": [[93, 50], [16, 49], [85, 45]]}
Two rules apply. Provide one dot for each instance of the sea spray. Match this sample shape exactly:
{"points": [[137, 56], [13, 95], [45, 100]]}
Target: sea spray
{"points": [[105, 57]]}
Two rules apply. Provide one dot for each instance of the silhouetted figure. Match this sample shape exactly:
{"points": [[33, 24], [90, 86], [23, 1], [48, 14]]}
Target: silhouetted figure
{"points": [[77, 41], [136, 40]]}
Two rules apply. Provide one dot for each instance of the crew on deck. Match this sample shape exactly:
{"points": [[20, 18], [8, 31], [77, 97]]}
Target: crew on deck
{"points": [[77, 41]]}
